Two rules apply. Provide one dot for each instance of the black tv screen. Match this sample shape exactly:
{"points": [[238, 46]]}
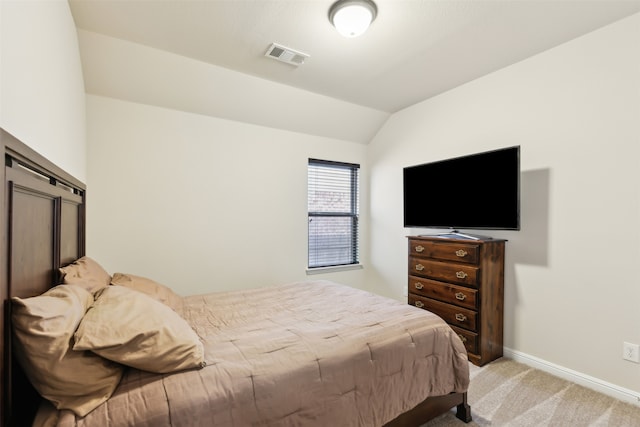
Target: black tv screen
{"points": [[478, 191]]}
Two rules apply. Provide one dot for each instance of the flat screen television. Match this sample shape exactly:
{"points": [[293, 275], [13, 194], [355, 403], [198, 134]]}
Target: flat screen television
{"points": [[479, 192]]}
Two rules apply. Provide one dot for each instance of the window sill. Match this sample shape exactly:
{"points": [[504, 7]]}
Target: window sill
{"points": [[332, 269]]}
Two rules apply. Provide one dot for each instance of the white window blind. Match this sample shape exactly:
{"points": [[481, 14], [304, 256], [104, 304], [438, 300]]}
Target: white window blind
{"points": [[333, 213]]}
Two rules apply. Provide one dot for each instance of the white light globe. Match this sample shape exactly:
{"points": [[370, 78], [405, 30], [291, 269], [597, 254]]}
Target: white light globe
{"points": [[352, 20]]}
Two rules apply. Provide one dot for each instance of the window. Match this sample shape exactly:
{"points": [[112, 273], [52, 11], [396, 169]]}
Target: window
{"points": [[333, 213]]}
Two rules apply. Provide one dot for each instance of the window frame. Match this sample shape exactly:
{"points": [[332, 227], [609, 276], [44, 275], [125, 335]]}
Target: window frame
{"points": [[354, 214]]}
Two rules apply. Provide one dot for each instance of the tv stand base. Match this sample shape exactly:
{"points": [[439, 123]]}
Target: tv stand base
{"points": [[455, 234]]}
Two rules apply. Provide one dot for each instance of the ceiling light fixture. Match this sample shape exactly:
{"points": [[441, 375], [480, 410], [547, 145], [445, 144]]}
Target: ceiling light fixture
{"points": [[352, 17]]}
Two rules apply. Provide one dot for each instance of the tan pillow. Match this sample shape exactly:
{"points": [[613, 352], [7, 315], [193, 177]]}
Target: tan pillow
{"points": [[43, 328], [87, 273], [131, 328], [153, 289]]}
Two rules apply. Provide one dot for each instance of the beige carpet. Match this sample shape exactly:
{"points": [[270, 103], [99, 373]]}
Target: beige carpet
{"points": [[507, 393]]}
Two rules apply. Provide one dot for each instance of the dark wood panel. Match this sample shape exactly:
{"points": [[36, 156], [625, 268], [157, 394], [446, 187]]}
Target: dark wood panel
{"points": [[445, 272], [70, 226], [31, 241], [31, 236], [450, 313], [492, 303], [445, 292], [431, 408], [468, 338], [445, 251]]}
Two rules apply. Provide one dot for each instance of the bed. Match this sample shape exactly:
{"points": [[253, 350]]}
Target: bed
{"points": [[309, 353]]}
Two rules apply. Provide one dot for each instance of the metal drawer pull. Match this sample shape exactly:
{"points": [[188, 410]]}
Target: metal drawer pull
{"points": [[460, 317], [460, 274], [419, 304], [419, 248], [419, 267], [419, 285], [460, 296], [461, 253], [462, 338]]}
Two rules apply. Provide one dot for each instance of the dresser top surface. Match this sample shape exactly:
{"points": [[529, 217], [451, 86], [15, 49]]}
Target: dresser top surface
{"points": [[452, 238]]}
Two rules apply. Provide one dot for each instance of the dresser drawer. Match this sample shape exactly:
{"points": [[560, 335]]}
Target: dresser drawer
{"points": [[452, 294], [460, 252], [451, 314], [443, 271], [469, 339]]}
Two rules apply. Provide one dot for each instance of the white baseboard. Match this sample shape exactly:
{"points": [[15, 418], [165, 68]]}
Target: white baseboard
{"points": [[584, 380]]}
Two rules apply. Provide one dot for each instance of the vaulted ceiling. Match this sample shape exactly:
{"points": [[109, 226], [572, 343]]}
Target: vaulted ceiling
{"points": [[415, 49]]}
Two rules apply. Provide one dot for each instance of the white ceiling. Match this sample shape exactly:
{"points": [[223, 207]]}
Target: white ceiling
{"points": [[415, 49]]}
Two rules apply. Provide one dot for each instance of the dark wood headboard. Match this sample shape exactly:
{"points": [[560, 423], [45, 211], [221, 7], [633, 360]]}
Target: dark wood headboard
{"points": [[43, 228]]}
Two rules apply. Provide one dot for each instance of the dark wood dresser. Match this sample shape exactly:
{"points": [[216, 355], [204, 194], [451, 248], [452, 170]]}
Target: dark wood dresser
{"points": [[462, 281]]}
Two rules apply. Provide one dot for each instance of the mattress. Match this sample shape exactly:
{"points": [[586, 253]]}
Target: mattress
{"points": [[308, 353]]}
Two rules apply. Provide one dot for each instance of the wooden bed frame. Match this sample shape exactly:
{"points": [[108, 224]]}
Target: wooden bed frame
{"points": [[43, 229]]}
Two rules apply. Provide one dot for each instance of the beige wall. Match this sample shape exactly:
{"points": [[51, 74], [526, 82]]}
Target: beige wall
{"points": [[199, 203], [42, 100], [572, 295]]}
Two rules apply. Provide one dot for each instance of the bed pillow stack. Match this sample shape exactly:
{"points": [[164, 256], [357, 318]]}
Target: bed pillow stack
{"points": [[43, 329], [73, 340]]}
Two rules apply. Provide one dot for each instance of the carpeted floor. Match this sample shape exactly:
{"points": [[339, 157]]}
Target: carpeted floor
{"points": [[507, 393]]}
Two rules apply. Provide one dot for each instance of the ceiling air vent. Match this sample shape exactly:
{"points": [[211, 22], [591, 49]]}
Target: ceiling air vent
{"points": [[285, 54]]}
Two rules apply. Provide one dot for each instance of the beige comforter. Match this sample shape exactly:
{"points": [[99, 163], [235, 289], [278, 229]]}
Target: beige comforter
{"points": [[312, 353]]}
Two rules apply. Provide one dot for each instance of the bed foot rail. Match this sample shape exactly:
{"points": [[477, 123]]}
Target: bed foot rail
{"points": [[463, 410], [433, 407]]}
